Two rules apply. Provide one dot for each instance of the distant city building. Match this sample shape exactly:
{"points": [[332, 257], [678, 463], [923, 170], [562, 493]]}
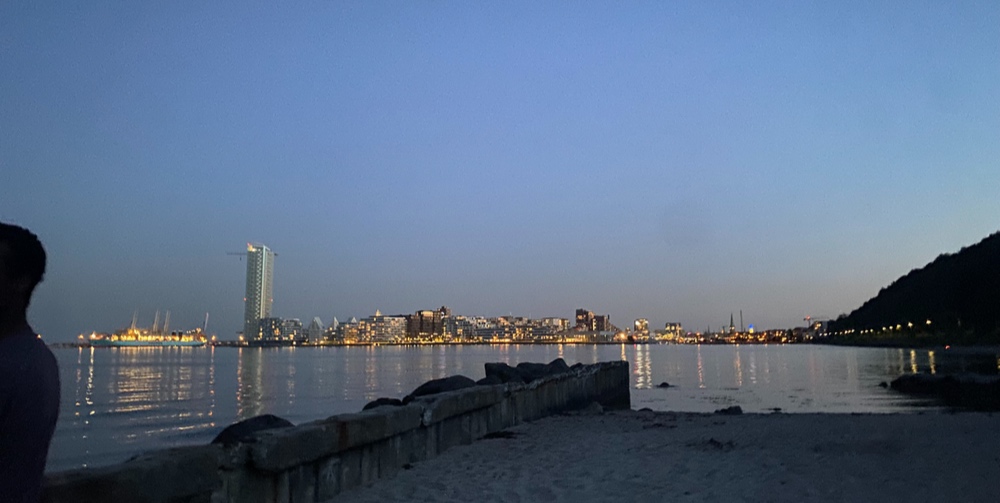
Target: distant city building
{"points": [[315, 330], [425, 324], [584, 319], [587, 321], [291, 330], [259, 289], [602, 323], [641, 326], [557, 324], [382, 328], [267, 329], [671, 332], [459, 328]]}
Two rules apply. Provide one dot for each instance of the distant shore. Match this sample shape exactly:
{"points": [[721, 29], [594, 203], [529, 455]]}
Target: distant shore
{"points": [[650, 456], [237, 344]]}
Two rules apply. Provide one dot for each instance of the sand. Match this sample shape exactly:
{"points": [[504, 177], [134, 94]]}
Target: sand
{"points": [[662, 456]]}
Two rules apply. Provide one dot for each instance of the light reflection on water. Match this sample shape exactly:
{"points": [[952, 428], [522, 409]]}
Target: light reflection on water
{"points": [[118, 402]]}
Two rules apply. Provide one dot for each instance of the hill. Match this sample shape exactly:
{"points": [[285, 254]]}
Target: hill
{"points": [[956, 294]]}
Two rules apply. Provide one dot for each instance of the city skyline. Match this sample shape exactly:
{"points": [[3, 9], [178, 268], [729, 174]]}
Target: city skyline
{"points": [[674, 162]]}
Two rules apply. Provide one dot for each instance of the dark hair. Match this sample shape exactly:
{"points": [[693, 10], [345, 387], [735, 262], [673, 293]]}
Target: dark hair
{"points": [[22, 254]]}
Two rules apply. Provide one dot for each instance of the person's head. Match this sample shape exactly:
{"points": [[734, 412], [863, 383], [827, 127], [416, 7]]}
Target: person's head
{"points": [[22, 265]]}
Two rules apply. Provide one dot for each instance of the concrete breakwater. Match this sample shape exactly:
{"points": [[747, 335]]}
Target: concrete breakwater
{"points": [[314, 461]]}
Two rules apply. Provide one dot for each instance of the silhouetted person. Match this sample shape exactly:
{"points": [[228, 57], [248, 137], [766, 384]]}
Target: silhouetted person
{"points": [[29, 376]]}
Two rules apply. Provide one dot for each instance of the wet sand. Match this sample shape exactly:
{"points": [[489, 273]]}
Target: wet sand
{"points": [[662, 456]]}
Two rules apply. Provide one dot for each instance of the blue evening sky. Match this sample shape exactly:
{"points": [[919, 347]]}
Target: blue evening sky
{"points": [[677, 161]]}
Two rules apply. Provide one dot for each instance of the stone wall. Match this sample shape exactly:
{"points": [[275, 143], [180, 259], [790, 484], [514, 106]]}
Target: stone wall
{"points": [[312, 462]]}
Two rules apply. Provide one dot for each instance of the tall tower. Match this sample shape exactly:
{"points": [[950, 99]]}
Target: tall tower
{"points": [[260, 286]]}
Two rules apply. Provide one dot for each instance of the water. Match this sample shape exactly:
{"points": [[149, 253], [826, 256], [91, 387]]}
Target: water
{"points": [[118, 402]]}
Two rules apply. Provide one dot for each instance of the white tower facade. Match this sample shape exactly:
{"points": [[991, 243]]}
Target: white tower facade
{"points": [[260, 289]]}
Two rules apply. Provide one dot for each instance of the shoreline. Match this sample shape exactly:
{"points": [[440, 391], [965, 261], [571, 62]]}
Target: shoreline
{"points": [[667, 456]]}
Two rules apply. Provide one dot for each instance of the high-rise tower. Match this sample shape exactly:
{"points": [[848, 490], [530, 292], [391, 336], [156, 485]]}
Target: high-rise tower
{"points": [[260, 286]]}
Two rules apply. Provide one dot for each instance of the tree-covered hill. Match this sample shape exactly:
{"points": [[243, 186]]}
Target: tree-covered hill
{"points": [[955, 294]]}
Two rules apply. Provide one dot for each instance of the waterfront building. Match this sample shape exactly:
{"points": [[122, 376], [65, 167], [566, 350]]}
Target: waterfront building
{"points": [[641, 326], [672, 332], [315, 330], [382, 328], [459, 328], [291, 330], [259, 295], [556, 324], [602, 323], [585, 319], [425, 324], [267, 329]]}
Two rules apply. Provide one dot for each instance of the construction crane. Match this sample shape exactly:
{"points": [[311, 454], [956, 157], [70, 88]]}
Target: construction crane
{"points": [[244, 254]]}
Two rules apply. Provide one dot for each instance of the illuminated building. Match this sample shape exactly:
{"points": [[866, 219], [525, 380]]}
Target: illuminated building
{"points": [[585, 319], [291, 330], [641, 326], [425, 324], [259, 291]]}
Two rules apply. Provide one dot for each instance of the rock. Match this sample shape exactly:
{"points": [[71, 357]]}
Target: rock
{"points": [[244, 430], [645, 409], [532, 371], [663, 384], [505, 373], [920, 383], [576, 365], [380, 402], [526, 371], [489, 381], [883, 384], [979, 392], [593, 408], [558, 366], [450, 383], [735, 410]]}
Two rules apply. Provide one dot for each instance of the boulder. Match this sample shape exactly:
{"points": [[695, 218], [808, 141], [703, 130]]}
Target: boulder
{"points": [[380, 402], [663, 384], [505, 373], [532, 371], [735, 410], [921, 384], [450, 383], [558, 366], [973, 391], [526, 371], [244, 430], [489, 381]]}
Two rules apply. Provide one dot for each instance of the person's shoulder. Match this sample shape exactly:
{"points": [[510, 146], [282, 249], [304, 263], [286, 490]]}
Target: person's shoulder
{"points": [[23, 350]]}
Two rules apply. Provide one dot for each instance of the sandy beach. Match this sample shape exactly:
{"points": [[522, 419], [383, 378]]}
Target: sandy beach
{"points": [[662, 456]]}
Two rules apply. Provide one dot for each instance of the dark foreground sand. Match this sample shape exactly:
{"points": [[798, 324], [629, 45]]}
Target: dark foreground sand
{"points": [[662, 456]]}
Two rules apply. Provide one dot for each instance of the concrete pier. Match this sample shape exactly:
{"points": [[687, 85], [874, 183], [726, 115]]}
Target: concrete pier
{"points": [[314, 461]]}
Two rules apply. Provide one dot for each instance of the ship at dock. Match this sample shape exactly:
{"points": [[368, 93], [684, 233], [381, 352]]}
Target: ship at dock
{"points": [[155, 336]]}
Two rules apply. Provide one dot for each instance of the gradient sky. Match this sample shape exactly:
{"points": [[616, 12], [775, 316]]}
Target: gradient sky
{"points": [[671, 160]]}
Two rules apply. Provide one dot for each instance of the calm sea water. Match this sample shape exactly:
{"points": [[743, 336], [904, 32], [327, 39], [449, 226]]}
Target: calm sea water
{"points": [[119, 402]]}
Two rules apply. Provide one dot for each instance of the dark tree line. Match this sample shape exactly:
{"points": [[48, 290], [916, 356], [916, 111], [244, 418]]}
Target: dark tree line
{"points": [[959, 293]]}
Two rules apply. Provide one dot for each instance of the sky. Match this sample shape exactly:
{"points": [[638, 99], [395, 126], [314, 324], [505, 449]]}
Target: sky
{"points": [[676, 161]]}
